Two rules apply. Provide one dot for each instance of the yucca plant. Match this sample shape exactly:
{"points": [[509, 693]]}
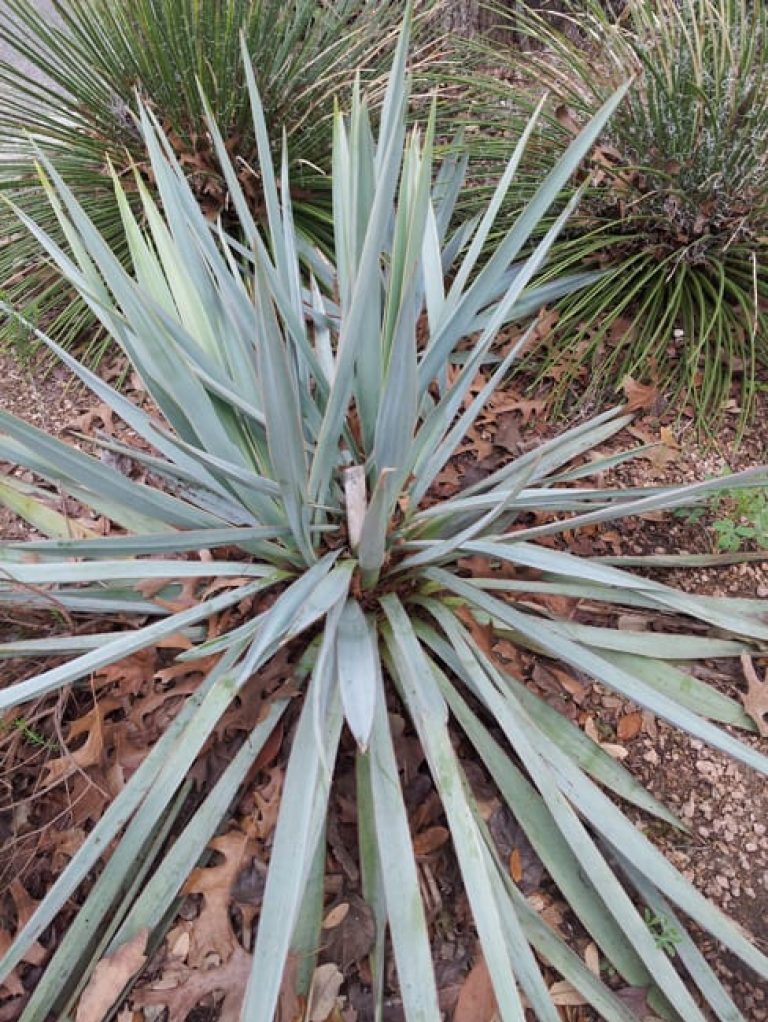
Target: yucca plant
{"points": [[97, 59], [302, 425], [677, 209]]}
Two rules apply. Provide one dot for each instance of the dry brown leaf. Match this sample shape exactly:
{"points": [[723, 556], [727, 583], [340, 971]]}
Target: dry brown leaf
{"points": [[667, 437], [629, 726], [592, 958], [636, 999], [516, 865], [430, 840], [192, 985], [109, 977], [640, 396], [566, 996], [290, 1007], [327, 980], [567, 119], [212, 931], [266, 800], [12, 984], [352, 938], [482, 634], [91, 752], [336, 916], [34, 955], [756, 698], [477, 1002], [613, 750], [553, 679]]}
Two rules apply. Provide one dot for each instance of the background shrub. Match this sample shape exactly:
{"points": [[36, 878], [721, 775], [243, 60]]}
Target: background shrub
{"points": [[677, 208], [101, 56]]}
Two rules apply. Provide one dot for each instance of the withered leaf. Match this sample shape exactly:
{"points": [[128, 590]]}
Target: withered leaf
{"points": [[336, 916], [109, 977], [193, 985], [352, 938], [212, 933], [756, 698], [430, 840], [477, 1002], [326, 983], [640, 396], [629, 726]]}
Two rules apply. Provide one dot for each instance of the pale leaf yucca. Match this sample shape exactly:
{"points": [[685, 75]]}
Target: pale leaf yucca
{"points": [[301, 422]]}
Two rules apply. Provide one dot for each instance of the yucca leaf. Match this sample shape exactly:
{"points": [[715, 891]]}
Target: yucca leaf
{"points": [[568, 736], [163, 887], [109, 547], [124, 644], [299, 826], [630, 686], [482, 291], [372, 879], [428, 711], [399, 880], [356, 657], [686, 950], [536, 820]]}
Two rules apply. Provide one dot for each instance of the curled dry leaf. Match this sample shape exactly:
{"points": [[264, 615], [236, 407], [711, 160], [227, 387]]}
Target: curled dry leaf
{"points": [[430, 840], [324, 991], [91, 752], [566, 996], [614, 750], [756, 698], [266, 799], [476, 1002], [181, 989], [212, 933], [336, 916], [110, 977], [629, 726], [640, 396], [351, 937]]}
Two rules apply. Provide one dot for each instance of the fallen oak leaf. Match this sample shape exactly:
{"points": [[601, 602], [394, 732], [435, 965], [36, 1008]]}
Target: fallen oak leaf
{"points": [[91, 752], [756, 698], [336, 916], [629, 726], [229, 979], [613, 750], [640, 396], [212, 932], [564, 995], [477, 1001], [327, 980], [430, 840], [109, 978], [351, 937]]}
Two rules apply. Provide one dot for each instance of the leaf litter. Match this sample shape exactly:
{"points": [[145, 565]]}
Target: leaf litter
{"points": [[204, 961]]}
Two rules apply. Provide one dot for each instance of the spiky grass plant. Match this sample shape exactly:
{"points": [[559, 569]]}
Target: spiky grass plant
{"points": [[677, 210], [303, 425], [98, 58]]}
